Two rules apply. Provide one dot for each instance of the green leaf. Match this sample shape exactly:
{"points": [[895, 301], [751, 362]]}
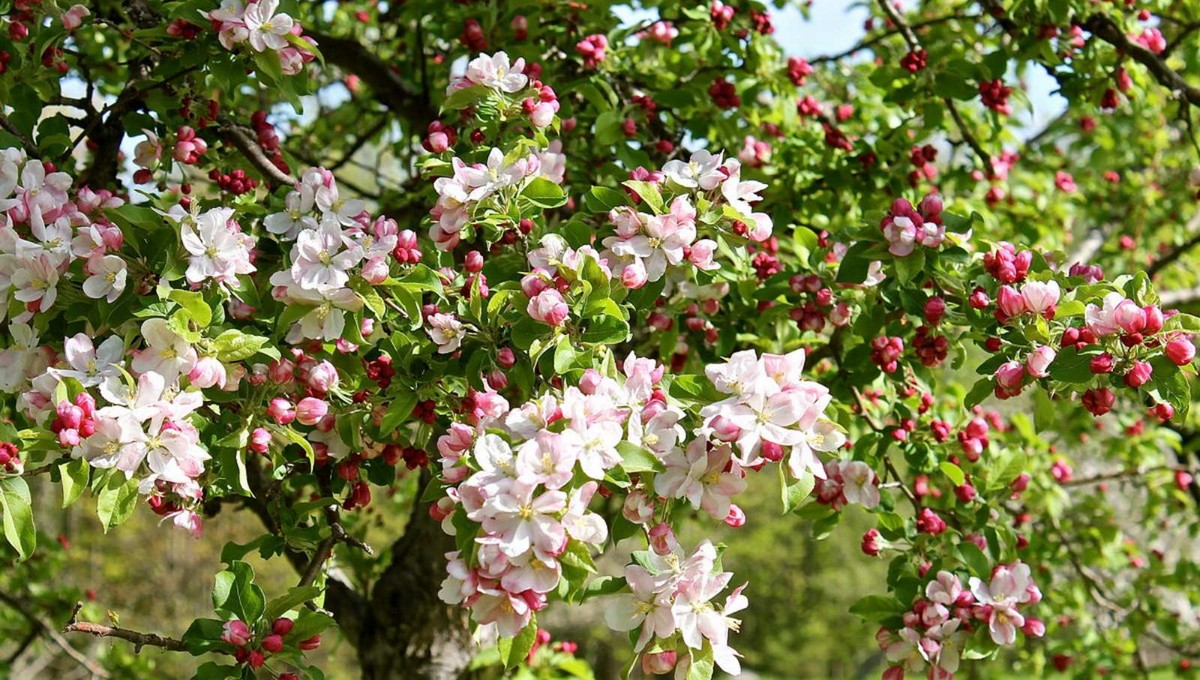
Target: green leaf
{"points": [[910, 267], [878, 608], [234, 592], [603, 199], [983, 388], [1072, 366], [74, 479], [564, 355], [398, 411], [695, 388], [855, 264], [605, 330], [544, 193], [466, 97], [195, 305], [235, 345], [976, 561], [953, 472], [637, 459], [296, 438], [521, 644], [117, 500], [794, 494], [293, 599], [16, 505], [650, 194]]}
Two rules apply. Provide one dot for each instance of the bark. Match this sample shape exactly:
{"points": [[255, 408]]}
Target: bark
{"points": [[406, 631]]}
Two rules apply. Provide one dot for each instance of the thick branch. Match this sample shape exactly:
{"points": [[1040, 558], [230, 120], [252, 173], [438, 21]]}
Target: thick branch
{"points": [[139, 640], [1107, 30], [54, 635]]}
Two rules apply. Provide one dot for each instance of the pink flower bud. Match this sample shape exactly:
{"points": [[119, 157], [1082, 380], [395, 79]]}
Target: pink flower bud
{"points": [[260, 440], [872, 543], [928, 522], [272, 644], [1139, 374], [311, 410], [1038, 361], [236, 633], [1010, 302], [1180, 351], [736, 516], [549, 307], [69, 415], [1102, 363], [662, 539], [323, 377], [935, 308], [1020, 483], [1010, 375], [375, 271], [1033, 627], [208, 372], [1130, 317], [310, 644], [506, 358], [658, 663], [1099, 401], [280, 410]]}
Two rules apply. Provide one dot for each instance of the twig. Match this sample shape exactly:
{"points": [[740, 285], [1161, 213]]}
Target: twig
{"points": [[1178, 251], [876, 39], [139, 640], [26, 143], [54, 635], [1107, 30], [1125, 474], [910, 39], [242, 141]]}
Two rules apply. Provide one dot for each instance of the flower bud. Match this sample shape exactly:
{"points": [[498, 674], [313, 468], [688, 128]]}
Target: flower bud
{"points": [[662, 539], [208, 372], [322, 378], [1138, 374], [1038, 361], [280, 410], [260, 440], [272, 644], [1180, 351], [658, 663]]}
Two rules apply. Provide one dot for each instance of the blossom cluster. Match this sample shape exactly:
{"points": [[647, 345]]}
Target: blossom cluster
{"points": [[43, 232], [937, 626], [264, 28], [333, 238], [522, 478], [472, 189], [906, 227], [770, 409]]}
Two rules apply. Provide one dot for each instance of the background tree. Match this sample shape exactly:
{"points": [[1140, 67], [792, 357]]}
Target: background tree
{"points": [[202, 320]]}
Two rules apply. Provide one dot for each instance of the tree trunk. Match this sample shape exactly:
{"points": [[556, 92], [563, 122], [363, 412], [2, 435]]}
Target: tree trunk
{"points": [[406, 631]]}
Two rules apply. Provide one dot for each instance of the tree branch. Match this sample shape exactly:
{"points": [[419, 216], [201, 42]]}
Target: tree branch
{"points": [[79, 657], [243, 142], [1178, 251], [1107, 30], [139, 640], [910, 38], [26, 143]]}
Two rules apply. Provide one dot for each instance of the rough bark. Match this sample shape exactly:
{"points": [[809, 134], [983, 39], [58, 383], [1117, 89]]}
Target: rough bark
{"points": [[406, 631]]}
